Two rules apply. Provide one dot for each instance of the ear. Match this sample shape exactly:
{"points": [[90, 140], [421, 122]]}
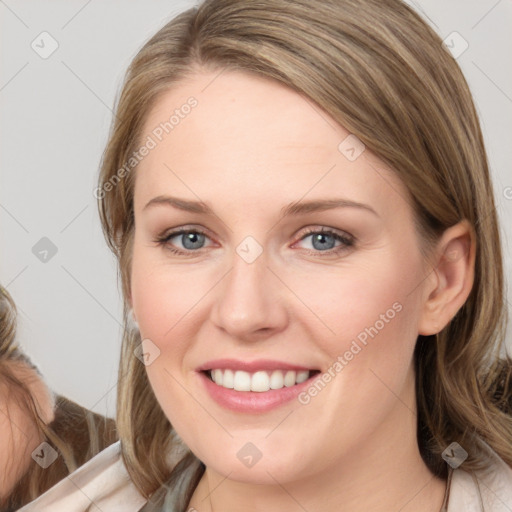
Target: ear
{"points": [[129, 302], [131, 313], [451, 279], [131, 317]]}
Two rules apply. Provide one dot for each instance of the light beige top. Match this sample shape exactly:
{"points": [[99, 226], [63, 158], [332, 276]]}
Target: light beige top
{"points": [[103, 485]]}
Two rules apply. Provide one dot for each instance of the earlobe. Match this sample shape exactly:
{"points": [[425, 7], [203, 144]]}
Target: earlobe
{"points": [[452, 278], [132, 319]]}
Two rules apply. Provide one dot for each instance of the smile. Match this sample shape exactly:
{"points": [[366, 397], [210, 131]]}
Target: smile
{"points": [[254, 386], [259, 381]]}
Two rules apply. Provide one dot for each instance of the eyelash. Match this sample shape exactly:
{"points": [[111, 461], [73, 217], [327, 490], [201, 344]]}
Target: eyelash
{"points": [[347, 241]]}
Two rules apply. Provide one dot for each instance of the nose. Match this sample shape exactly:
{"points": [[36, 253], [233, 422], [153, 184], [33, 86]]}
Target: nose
{"points": [[249, 303]]}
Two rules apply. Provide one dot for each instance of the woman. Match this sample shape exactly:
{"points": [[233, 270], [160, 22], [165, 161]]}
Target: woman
{"points": [[299, 199], [44, 437]]}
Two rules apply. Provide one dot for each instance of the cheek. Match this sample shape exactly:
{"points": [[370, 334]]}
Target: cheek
{"points": [[374, 301], [162, 302], [16, 444], [370, 317], [163, 298]]}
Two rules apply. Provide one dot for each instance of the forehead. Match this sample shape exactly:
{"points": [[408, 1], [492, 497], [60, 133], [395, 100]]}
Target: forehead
{"points": [[237, 107], [215, 133]]}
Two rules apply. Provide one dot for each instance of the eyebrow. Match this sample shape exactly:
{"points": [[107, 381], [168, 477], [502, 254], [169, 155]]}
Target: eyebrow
{"points": [[295, 208]]}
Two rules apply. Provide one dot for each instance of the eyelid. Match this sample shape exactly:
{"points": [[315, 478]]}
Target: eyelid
{"points": [[183, 229], [163, 238], [324, 229]]}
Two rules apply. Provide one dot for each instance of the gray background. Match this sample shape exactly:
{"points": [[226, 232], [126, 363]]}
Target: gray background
{"points": [[56, 113]]}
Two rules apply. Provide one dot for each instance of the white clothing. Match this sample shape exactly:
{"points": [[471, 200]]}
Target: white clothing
{"points": [[103, 485]]}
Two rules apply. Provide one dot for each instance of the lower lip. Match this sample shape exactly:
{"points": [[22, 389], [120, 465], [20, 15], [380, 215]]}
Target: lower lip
{"points": [[253, 401]]}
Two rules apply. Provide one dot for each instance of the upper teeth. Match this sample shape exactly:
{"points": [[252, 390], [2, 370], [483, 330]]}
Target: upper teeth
{"points": [[259, 381]]}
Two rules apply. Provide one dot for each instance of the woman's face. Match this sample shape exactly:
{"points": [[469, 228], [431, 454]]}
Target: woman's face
{"points": [[256, 295], [19, 433]]}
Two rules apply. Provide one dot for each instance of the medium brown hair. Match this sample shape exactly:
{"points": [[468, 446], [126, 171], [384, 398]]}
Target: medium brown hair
{"points": [[76, 433], [382, 73]]}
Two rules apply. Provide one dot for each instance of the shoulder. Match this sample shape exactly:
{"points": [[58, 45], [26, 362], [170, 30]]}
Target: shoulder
{"points": [[484, 490], [100, 484]]}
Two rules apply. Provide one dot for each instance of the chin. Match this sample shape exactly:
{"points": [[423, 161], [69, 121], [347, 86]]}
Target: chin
{"points": [[257, 462]]}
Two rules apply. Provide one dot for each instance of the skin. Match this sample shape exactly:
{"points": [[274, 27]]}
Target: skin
{"points": [[250, 147], [19, 432]]}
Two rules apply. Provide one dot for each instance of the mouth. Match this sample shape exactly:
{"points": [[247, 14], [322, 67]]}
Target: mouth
{"points": [[254, 387], [259, 381]]}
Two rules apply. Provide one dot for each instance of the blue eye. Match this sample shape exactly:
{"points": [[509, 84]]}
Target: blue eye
{"points": [[324, 240], [191, 239]]}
